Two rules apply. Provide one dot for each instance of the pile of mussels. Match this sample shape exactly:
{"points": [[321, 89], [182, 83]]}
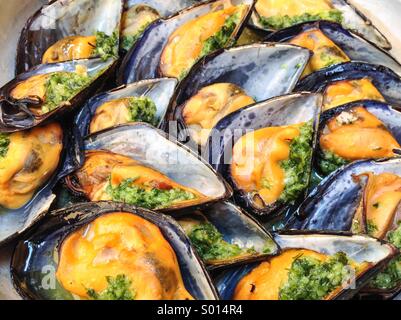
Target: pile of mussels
{"points": [[146, 147]]}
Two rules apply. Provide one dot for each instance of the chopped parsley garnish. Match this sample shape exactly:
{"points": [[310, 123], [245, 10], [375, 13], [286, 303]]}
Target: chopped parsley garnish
{"points": [[142, 109], [210, 245], [222, 38], [4, 143], [330, 59], [371, 227], [106, 46], [61, 87], [128, 41], [281, 22], [149, 198], [297, 166], [390, 277], [312, 279], [330, 162], [118, 289]]}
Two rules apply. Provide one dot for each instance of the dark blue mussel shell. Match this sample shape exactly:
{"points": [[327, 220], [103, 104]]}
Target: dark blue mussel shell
{"points": [[60, 19], [142, 61], [156, 149], [388, 114], [333, 203], [16, 116], [263, 71], [384, 79], [359, 248], [160, 91], [14, 222], [236, 227], [355, 47], [353, 19], [34, 255], [280, 111]]}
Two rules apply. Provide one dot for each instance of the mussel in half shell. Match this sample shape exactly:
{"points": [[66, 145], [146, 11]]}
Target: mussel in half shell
{"points": [[275, 15], [68, 30], [170, 47], [356, 131], [353, 81], [138, 165], [364, 197], [332, 44], [67, 257], [48, 91], [331, 266], [265, 151], [139, 14], [29, 163], [230, 80], [224, 235], [144, 101]]}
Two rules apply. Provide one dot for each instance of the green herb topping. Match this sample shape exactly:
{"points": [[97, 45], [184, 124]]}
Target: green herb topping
{"points": [[330, 59], [152, 198], [210, 245], [390, 277], [281, 22], [312, 279], [222, 38], [118, 289], [106, 46], [128, 41], [4, 143], [371, 227], [297, 166], [330, 162], [61, 87], [142, 109]]}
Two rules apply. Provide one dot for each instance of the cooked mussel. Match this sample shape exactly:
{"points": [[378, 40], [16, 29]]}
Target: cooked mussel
{"points": [[230, 80], [275, 15], [353, 81], [331, 266], [66, 257], [332, 44], [144, 101], [224, 235], [367, 197], [70, 30], [356, 131], [139, 14], [29, 163], [48, 91], [168, 47], [137, 164], [265, 151]]}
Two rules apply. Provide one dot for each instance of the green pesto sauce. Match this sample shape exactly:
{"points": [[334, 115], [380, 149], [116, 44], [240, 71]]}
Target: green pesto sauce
{"points": [[106, 46], [281, 22], [330, 59], [371, 227], [150, 199], [297, 166], [222, 38], [210, 245], [118, 289], [330, 162], [311, 279], [4, 143], [128, 41], [61, 87], [142, 109], [390, 277]]}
